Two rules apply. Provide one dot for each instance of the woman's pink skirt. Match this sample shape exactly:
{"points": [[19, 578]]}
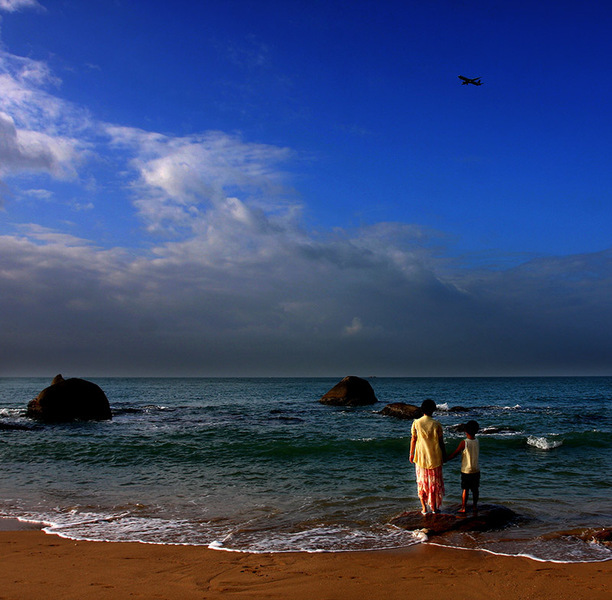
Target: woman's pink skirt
{"points": [[430, 485]]}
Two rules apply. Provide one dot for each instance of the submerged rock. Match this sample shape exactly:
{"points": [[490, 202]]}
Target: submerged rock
{"points": [[351, 391], [460, 428], [402, 410], [15, 427], [492, 430], [70, 400], [601, 536], [490, 517]]}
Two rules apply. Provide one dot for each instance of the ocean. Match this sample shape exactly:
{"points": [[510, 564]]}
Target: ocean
{"points": [[259, 465]]}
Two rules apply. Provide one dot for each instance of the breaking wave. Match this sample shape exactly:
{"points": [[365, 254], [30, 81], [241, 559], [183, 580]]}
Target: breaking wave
{"points": [[542, 443]]}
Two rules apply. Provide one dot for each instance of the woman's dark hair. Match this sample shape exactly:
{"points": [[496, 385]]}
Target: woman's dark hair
{"points": [[428, 407]]}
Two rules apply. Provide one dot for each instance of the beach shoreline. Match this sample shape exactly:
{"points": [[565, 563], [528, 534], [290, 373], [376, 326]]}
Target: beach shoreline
{"points": [[13, 524], [37, 565]]}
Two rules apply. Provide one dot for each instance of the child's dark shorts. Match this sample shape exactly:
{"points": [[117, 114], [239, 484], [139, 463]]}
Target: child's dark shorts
{"points": [[470, 481]]}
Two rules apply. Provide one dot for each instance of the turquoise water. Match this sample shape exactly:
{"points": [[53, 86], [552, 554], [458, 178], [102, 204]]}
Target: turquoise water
{"points": [[261, 465]]}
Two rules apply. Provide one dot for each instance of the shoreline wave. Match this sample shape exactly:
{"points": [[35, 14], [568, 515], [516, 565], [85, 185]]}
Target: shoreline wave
{"points": [[529, 556], [562, 547]]}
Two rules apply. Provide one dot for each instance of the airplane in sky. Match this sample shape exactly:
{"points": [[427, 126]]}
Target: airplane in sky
{"points": [[466, 80]]}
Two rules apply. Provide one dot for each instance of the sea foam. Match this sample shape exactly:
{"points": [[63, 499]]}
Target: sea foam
{"points": [[543, 443]]}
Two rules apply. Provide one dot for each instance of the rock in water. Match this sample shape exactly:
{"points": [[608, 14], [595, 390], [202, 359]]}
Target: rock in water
{"points": [[489, 518], [70, 400], [603, 536], [401, 410], [351, 391]]}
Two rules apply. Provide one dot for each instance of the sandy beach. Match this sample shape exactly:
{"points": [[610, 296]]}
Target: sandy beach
{"points": [[36, 565]]}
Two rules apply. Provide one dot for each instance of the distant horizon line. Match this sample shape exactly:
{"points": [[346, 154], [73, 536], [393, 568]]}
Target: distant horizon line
{"points": [[339, 377]]}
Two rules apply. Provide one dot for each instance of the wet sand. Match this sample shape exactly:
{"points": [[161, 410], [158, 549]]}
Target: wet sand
{"points": [[36, 565]]}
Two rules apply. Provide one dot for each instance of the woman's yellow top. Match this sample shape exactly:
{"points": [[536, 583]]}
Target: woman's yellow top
{"points": [[427, 451]]}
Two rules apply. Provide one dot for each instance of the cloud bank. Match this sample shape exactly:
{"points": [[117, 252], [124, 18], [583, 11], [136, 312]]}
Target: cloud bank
{"points": [[279, 303], [224, 278]]}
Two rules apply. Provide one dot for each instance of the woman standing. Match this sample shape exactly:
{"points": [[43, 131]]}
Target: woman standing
{"points": [[428, 453]]}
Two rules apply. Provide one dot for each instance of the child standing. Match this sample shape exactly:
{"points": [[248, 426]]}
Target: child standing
{"points": [[470, 469]]}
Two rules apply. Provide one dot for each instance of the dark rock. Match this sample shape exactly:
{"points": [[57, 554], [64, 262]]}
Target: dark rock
{"points": [[490, 517], [603, 536], [459, 409], [284, 416], [351, 391], [401, 410], [57, 379], [491, 430], [460, 427], [597, 536], [70, 400], [15, 427], [288, 419]]}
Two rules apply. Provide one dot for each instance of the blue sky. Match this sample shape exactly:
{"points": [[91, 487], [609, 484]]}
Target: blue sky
{"points": [[305, 188]]}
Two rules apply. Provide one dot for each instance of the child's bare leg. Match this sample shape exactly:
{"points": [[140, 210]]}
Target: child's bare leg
{"points": [[476, 495], [464, 498]]}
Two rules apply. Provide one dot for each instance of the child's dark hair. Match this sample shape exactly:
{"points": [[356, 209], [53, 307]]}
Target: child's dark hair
{"points": [[428, 407], [471, 427]]}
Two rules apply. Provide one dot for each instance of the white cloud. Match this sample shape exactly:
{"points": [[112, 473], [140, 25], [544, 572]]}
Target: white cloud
{"points": [[273, 302], [26, 150], [83, 206], [15, 5], [178, 178], [23, 82], [39, 194], [354, 328], [39, 133]]}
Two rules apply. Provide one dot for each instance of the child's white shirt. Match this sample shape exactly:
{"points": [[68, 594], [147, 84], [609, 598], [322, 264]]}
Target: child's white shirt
{"points": [[469, 457]]}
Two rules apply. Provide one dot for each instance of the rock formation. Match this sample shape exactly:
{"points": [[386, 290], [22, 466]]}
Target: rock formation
{"points": [[70, 400], [401, 410], [602, 536], [351, 391], [490, 517]]}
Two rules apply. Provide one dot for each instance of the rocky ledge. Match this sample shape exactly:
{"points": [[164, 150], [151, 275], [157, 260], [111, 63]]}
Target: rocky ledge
{"points": [[402, 410], [490, 517], [602, 535]]}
